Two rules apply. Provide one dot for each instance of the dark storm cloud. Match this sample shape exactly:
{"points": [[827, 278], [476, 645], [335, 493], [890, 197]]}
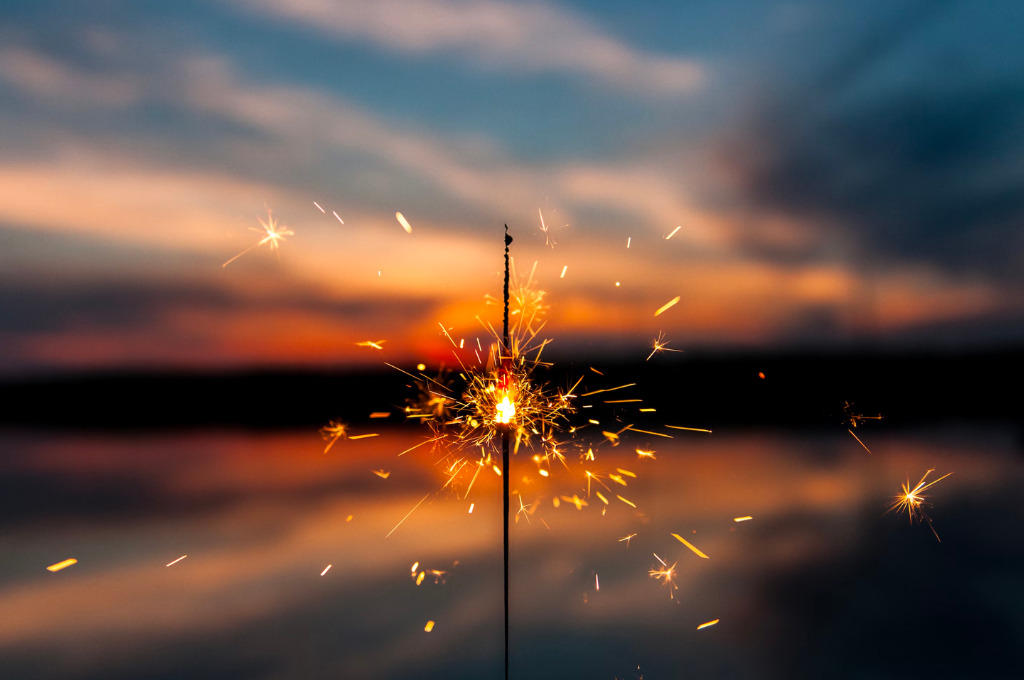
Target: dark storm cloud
{"points": [[926, 176], [914, 161]]}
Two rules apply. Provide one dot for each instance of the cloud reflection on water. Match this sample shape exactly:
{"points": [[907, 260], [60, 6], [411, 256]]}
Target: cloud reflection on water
{"points": [[799, 588]]}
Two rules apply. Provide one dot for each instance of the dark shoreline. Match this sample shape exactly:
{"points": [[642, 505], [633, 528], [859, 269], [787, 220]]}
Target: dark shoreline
{"points": [[798, 390]]}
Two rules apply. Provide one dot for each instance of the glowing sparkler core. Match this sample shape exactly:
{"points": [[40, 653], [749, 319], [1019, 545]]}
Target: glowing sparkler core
{"points": [[506, 411]]}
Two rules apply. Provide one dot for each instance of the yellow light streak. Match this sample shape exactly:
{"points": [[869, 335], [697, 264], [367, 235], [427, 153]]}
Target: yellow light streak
{"points": [[407, 515], [668, 305], [62, 565], [404, 222], [608, 389], [691, 546]]}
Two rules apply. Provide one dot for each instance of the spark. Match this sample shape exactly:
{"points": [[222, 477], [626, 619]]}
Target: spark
{"points": [[858, 440], [666, 575], [673, 232], [404, 222], [609, 389], [742, 519], [376, 344], [691, 546], [407, 515], [852, 419], [326, 569], [176, 561], [689, 429], [332, 432], [708, 624], [661, 344], [548, 238], [668, 305], [275, 234], [382, 473], [914, 502], [429, 627], [62, 565]]}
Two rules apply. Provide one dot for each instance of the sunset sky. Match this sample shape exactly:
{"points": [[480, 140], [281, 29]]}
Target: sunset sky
{"points": [[840, 173]]}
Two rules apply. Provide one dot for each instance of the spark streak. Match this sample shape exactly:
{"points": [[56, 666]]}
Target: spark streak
{"points": [[404, 222], [668, 305], [691, 546]]}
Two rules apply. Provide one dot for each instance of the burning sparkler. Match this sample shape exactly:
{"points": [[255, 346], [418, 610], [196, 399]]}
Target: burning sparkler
{"points": [[913, 501], [274, 235]]}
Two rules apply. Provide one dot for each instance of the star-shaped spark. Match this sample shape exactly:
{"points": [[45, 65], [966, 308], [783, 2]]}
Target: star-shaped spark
{"points": [[548, 238], [661, 345], [913, 501], [332, 432], [274, 234]]}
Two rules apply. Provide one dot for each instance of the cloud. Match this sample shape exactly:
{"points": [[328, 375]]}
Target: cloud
{"points": [[532, 37], [933, 177]]}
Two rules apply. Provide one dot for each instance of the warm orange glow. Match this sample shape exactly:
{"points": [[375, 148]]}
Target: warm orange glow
{"points": [[506, 411]]}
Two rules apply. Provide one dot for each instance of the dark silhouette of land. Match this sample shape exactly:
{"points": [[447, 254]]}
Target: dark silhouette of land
{"points": [[711, 391]]}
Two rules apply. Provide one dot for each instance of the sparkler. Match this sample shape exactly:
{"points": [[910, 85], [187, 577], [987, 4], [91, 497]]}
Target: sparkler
{"points": [[913, 501], [275, 234]]}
